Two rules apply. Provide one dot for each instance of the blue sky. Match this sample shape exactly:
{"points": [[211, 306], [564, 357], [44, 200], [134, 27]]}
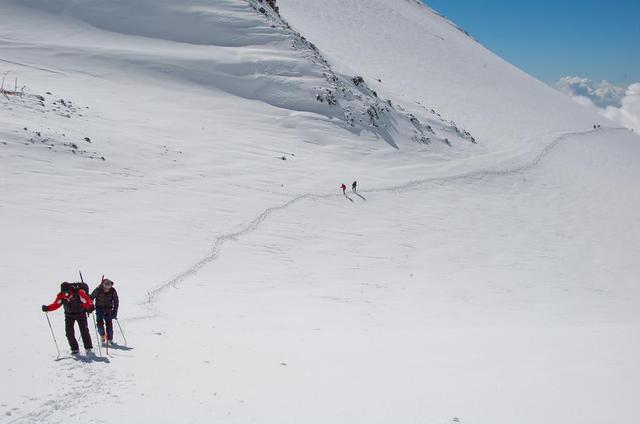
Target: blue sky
{"points": [[597, 39]]}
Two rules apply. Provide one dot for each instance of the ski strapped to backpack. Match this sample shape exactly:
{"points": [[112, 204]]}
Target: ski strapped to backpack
{"points": [[81, 285]]}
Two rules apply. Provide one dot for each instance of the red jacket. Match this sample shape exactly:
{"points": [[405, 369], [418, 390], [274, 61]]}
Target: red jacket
{"points": [[66, 298]]}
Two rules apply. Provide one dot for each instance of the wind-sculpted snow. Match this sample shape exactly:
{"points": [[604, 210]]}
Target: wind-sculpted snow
{"points": [[228, 23]]}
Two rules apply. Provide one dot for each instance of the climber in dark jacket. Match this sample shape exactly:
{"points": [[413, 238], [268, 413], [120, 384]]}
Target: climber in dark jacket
{"points": [[106, 303]]}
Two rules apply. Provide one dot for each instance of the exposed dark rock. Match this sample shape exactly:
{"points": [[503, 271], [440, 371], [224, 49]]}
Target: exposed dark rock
{"points": [[357, 80]]}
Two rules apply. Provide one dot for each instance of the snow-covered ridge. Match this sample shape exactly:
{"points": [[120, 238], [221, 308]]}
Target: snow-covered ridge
{"points": [[246, 49], [450, 22]]}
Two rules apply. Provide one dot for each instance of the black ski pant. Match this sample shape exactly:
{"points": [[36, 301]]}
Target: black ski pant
{"points": [[69, 321], [105, 317]]}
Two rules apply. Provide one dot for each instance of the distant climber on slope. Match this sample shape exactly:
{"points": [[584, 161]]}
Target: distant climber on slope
{"points": [[344, 189], [107, 302], [76, 303], [354, 186]]}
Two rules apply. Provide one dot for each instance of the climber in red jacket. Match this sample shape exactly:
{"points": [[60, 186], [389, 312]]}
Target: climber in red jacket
{"points": [[76, 303]]}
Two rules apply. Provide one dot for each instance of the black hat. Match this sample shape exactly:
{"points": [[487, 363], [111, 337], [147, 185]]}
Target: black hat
{"points": [[65, 287]]}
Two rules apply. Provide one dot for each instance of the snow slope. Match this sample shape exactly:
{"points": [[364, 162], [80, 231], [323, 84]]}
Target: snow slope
{"points": [[465, 283], [421, 57]]}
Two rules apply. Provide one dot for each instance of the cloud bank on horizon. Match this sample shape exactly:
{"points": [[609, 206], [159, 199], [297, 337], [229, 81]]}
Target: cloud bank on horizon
{"points": [[619, 104]]}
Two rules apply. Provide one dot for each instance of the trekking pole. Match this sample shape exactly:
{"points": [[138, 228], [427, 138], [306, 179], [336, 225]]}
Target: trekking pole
{"points": [[95, 325], [54, 336], [121, 332]]}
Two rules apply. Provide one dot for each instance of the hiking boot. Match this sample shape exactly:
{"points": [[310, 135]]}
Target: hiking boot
{"points": [[74, 352]]}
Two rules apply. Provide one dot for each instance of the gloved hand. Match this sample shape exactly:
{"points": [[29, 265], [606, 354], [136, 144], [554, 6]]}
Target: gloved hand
{"points": [[44, 308], [115, 316], [91, 309]]}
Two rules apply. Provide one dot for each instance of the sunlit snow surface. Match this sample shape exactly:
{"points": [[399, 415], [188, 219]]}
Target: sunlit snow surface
{"points": [[479, 283]]}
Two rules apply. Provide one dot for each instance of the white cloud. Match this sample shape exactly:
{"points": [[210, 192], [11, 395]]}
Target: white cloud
{"points": [[602, 95], [629, 113], [619, 104]]}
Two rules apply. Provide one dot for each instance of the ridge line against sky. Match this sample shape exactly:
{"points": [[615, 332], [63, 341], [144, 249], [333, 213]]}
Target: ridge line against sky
{"points": [[597, 39]]}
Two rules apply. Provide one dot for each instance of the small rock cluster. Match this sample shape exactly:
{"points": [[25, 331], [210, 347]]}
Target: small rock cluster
{"points": [[55, 143], [49, 104], [271, 4]]}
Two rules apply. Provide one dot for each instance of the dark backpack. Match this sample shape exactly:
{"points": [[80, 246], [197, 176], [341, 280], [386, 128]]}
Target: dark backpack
{"points": [[80, 286], [73, 306]]}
